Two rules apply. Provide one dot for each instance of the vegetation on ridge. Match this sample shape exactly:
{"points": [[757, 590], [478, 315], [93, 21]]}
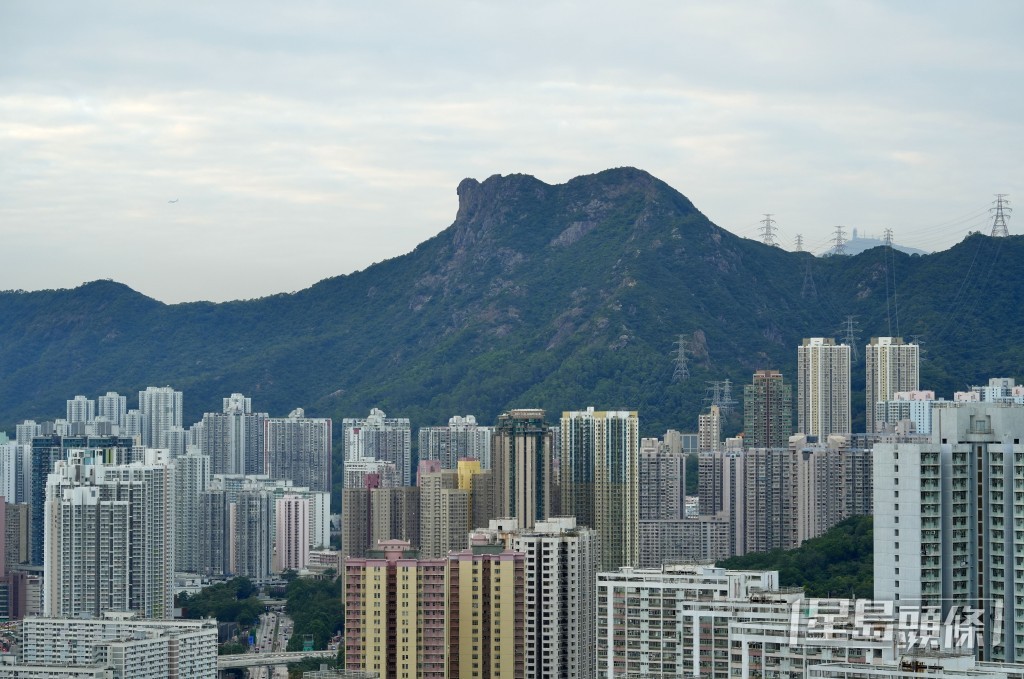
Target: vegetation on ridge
{"points": [[556, 297], [836, 564]]}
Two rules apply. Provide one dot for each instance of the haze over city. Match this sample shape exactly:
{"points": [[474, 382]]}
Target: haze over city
{"points": [[311, 140]]}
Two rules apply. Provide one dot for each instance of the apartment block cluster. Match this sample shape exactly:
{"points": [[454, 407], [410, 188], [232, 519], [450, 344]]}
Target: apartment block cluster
{"points": [[537, 548], [102, 509], [545, 509]]}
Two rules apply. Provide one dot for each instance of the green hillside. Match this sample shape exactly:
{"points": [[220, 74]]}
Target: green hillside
{"points": [[837, 564], [537, 295]]}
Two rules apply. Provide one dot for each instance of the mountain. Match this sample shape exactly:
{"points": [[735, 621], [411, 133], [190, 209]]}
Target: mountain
{"points": [[545, 296], [858, 244]]}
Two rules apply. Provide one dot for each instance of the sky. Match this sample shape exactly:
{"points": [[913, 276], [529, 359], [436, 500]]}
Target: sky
{"points": [[308, 139]]}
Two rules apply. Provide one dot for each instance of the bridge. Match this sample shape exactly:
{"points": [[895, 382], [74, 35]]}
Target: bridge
{"points": [[241, 660]]}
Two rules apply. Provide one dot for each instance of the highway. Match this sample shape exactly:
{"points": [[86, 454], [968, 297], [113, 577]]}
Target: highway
{"points": [[267, 658]]}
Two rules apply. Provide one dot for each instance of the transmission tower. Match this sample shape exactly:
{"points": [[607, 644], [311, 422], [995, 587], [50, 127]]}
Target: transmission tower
{"points": [[799, 243], [809, 289], [839, 242], [768, 229], [921, 351], [713, 394], [728, 402], [1000, 212], [888, 238], [850, 336], [682, 371]]}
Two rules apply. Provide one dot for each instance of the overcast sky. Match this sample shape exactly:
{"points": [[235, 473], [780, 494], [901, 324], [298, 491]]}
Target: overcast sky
{"points": [[305, 140]]}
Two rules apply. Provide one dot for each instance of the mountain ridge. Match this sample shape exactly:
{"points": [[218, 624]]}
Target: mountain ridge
{"points": [[554, 295]]}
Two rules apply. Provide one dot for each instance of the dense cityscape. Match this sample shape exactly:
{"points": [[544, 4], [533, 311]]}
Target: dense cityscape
{"points": [[533, 547]]}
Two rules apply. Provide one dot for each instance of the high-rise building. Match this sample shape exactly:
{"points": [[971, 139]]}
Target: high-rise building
{"points": [[913, 406], [767, 411], [461, 616], [380, 437], [298, 448], [46, 452], [15, 471], [823, 387], [891, 365], [946, 512], [372, 513], [112, 406], [600, 479], [234, 439], [238, 515], [462, 439], [689, 539], [561, 569], [444, 513], [191, 480], [396, 621], [108, 546], [521, 461], [26, 431], [709, 429], [683, 613], [1003, 390], [81, 409], [291, 544], [486, 625], [16, 532], [160, 409], [662, 482]]}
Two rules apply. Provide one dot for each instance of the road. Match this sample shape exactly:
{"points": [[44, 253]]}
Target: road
{"points": [[271, 637]]}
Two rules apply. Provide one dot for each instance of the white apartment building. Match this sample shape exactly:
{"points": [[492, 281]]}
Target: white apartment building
{"points": [[915, 406], [707, 622], [160, 408], [948, 519], [891, 365], [823, 387], [462, 438], [298, 448], [291, 541], [380, 437], [130, 647], [108, 542], [81, 409], [191, 479], [561, 568]]}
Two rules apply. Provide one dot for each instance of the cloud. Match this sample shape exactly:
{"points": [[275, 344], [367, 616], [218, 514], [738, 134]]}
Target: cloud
{"points": [[313, 139]]}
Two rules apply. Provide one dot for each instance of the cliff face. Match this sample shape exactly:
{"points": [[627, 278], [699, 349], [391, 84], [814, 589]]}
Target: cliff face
{"points": [[537, 295]]}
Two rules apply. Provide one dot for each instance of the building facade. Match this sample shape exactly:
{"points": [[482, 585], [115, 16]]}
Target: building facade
{"points": [[891, 365], [298, 448], [377, 436], [767, 411], [522, 462], [947, 513], [823, 387], [600, 479], [107, 542]]}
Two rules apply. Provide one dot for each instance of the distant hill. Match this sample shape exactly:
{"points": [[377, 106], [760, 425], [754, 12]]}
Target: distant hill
{"points": [[837, 564], [557, 297], [858, 244]]}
